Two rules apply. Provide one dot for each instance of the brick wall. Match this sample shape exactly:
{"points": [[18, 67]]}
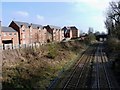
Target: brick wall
{"points": [[11, 36]]}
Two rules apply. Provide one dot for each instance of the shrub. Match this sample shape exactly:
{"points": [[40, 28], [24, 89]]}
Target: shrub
{"points": [[52, 51], [113, 44]]}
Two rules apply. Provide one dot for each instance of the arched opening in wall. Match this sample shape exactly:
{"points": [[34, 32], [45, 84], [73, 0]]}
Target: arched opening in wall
{"points": [[48, 40]]}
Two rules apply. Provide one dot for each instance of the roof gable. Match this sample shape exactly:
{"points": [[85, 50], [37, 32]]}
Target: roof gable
{"points": [[73, 27], [21, 23], [70, 28]]}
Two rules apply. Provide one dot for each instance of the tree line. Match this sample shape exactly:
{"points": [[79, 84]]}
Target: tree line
{"points": [[112, 22]]}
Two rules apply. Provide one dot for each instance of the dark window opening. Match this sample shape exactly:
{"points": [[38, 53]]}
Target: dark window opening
{"points": [[10, 34]]}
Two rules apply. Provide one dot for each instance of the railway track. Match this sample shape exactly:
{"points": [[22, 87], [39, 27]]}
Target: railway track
{"points": [[77, 78], [102, 73], [96, 77], [103, 79], [112, 83]]}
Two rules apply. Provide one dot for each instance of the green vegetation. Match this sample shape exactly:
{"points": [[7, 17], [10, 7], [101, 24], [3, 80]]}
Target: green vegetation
{"points": [[36, 67], [90, 38], [52, 48], [113, 45]]}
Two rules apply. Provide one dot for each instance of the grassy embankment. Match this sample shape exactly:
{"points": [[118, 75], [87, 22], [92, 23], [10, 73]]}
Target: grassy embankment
{"points": [[34, 68]]}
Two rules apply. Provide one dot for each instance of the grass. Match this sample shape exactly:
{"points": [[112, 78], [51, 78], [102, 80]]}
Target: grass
{"points": [[37, 67]]}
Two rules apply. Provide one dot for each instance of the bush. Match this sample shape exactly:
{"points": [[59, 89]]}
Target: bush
{"points": [[52, 51], [113, 44]]}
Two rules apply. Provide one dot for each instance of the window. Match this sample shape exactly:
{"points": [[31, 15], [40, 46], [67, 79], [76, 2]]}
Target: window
{"points": [[10, 34], [23, 30], [15, 34], [5, 34]]}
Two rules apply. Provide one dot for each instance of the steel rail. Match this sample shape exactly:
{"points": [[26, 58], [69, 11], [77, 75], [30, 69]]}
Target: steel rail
{"points": [[97, 70], [106, 74], [73, 73], [84, 74]]}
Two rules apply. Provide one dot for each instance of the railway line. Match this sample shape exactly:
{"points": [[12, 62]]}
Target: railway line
{"points": [[102, 76], [101, 73], [79, 74], [95, 76]]}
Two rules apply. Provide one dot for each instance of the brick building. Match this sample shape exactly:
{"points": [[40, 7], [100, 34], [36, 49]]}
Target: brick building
{"points": [[75, 32], [70, 32], [9, 38], [56, 34], [38, 34], [23, 30], [49, 34], [34, 33], [67, 32], [31, 33]]}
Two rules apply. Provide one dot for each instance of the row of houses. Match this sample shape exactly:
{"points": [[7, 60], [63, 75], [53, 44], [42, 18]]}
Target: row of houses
{"points": [[22, 33]]}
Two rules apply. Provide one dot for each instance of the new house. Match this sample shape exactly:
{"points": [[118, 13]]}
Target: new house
{"points": [[70, 32], [31, 33], [56, 34], [38, 34], [23, 31], [9, 37]]}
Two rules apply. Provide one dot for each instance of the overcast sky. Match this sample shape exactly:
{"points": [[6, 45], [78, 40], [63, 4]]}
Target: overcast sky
{"points": [[81, 13]]}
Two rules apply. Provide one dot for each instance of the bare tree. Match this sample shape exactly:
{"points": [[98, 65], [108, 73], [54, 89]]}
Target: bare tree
{"points": [[113, 19]]}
